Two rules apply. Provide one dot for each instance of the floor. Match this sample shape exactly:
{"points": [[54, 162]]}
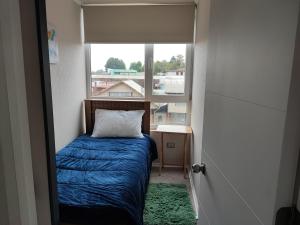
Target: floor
{"points": [[168, 175], [171, 176]]}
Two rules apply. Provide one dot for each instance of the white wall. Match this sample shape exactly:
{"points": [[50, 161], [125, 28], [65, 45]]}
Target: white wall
{"points": [[8, 181], [249, 67], [17, 191], [68, 75]]}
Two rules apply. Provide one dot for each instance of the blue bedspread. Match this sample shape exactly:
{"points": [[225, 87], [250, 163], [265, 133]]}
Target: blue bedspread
{"points": [[97, 172]]}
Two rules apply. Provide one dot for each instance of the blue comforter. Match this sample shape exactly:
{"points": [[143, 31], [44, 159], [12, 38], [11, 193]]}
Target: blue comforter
{"points": [[113, 172]]}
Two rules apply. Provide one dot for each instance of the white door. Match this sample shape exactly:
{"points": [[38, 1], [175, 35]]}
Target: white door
{"points": [[249, 64]]}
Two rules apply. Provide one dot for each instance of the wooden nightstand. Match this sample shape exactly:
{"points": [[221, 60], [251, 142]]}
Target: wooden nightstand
{"points": [[175, 129]]}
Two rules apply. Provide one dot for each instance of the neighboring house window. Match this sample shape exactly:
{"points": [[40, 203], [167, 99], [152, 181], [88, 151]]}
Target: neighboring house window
{"points": [[160, 73]]}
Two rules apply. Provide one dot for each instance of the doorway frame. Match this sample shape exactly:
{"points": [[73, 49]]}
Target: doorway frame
{"points": [[41, 22]]}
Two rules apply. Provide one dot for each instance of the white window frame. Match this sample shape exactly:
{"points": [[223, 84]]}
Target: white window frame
{"points": [[149, 96]]}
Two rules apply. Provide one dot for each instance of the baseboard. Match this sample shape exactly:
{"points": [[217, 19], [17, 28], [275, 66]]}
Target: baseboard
{"points": [[166, 166], [194, 195]]}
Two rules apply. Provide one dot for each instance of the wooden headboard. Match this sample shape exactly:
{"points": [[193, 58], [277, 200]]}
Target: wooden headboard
{"points": [[91, 105]]}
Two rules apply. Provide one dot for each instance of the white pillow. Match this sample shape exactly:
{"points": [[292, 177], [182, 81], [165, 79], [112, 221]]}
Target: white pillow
{"points": [[118, 123]]}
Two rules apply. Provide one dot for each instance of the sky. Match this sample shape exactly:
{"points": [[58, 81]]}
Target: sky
{"points": [[100, 53]]}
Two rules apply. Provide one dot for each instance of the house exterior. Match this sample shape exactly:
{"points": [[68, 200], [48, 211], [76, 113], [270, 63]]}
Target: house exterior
{"points": [[168, 113], [126, 88]]}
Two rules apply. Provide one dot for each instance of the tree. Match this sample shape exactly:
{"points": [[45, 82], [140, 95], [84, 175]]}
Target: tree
{"points": [[180, 61], [115, 63], [176, 62], [160, 67], [137, 66], [173, 59]]}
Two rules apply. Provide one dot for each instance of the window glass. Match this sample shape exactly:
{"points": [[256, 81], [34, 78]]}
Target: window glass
{"points": [[169, 67], [117, 70], [168, 113]]}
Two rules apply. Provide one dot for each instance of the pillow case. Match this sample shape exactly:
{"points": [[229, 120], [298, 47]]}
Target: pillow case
{"points": [[118, 123]]}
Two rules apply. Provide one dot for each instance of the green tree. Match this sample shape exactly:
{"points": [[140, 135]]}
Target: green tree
{"points": [[137, 66], [176, 62], [160, 66], [115, 63], [164, 66], [180, 61], [173, 59]]}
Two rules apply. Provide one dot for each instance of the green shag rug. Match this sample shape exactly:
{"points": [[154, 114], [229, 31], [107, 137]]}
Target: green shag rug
{"points": [[168, 204]]}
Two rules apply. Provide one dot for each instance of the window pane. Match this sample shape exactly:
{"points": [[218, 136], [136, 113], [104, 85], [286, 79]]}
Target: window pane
{"points": [[169, 65], [117, 70], [168, 113]]}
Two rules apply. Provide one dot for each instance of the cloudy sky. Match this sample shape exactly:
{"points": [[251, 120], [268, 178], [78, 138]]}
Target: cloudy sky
{"points": [[131, 53]]}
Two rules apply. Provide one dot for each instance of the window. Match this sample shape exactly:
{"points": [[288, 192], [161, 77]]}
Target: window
{"points": [[168, 113], [157, 72], [117, 70], [169, 63], [120, 94]]}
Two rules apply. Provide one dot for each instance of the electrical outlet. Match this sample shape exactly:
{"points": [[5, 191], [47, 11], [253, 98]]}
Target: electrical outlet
{"points": [[170, 145]]}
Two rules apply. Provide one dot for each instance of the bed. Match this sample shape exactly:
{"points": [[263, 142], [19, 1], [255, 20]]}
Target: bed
{"points": [[104, 180]]}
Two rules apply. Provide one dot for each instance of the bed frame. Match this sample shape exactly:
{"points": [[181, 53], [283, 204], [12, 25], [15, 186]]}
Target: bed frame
{"points": [[92, 104]]}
